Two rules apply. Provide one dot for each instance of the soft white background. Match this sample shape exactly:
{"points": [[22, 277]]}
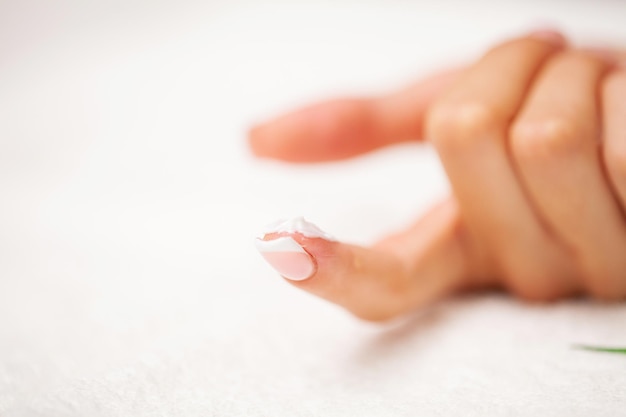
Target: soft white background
{"points": [[129, 285]]}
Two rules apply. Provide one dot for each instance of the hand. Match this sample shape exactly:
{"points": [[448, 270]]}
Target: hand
{"points": [[533, 139]]}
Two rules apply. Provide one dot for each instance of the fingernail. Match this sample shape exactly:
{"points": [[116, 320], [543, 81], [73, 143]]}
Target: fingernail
{"points": [[547, 35], [287, 257]]}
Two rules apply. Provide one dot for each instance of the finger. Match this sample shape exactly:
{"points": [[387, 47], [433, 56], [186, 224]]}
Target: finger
{"points": [[611, 55], [347, 127], [468, 126], [614, 122], [614, 105], [556, 145], [380, 283]]}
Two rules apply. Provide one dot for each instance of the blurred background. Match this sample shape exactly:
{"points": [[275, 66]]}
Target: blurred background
{"points": [[129, 284]]}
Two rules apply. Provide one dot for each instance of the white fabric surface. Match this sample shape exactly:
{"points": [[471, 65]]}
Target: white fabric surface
{"points": [[129, 284]]}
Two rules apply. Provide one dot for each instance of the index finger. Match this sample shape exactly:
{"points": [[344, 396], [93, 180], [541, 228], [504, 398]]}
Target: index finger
{"points": [[406, 272]]}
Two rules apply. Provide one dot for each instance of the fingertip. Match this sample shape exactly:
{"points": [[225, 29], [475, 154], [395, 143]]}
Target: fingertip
{"points": [[367, 283], [261, 141], [294, 247], [286, 138], [254, 132], [252, 139]]}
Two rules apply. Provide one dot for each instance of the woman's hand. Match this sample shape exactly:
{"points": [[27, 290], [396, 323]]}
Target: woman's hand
{"points": [[533, 140]]}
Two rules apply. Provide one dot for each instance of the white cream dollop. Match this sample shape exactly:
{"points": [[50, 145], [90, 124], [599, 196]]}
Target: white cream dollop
{"points": [[297, 225]]}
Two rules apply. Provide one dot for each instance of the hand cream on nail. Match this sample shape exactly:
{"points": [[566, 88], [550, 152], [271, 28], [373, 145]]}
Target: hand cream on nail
{"points": [[297, 225], [282, 244]]}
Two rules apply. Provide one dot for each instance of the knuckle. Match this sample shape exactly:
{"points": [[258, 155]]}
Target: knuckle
{"points": [[461, 126], [511, 45], [587, 58], [546, 139]]}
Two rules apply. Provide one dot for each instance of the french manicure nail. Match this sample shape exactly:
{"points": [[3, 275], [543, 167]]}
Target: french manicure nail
{"points": [[287, 257]]}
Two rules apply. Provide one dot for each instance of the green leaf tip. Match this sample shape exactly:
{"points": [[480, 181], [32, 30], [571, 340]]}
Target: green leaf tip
{"points": [[617, 350]]}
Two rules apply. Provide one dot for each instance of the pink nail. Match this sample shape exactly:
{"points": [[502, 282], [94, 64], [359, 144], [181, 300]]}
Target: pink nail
{"points": [[287, 257]]}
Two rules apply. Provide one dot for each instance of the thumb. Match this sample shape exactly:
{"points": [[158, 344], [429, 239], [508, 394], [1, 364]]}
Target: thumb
{"points": [[342, 128], [401, 273]]}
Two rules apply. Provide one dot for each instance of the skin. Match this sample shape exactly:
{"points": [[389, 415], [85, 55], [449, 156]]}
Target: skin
{"points": [[533, 139]]}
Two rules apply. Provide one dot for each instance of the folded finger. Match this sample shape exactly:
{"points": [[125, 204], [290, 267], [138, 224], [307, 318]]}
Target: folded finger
{"points": [[469, 126], [614, 118], [555, 143]]}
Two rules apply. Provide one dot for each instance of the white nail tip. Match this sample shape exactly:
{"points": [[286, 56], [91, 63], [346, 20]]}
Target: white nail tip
{"points": [[298, 225], [287, 258], [282, 244]]}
